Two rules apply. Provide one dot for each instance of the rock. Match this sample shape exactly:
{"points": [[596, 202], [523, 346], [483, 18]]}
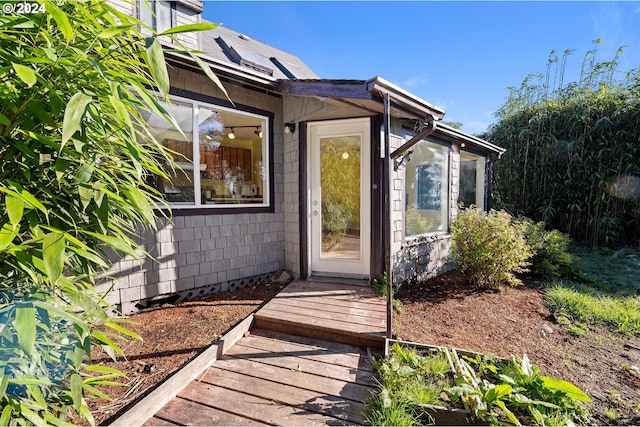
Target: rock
{"points": [[546, 329], [281, 278]]}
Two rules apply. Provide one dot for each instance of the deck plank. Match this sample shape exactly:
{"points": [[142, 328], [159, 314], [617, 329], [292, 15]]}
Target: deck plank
{"points": [[333, 406], [320, 312], [346, 293], [153, 421], [316, 303], [330, 353], [289, 360], [329, 346], [186, 412], [319, 321], [329, 386], [255, 408]]}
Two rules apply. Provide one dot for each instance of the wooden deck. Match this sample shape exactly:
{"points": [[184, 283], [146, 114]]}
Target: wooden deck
{"points": [[282, 372], [348, 314]]}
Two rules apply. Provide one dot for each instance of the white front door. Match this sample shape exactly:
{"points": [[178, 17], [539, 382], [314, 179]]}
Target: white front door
{"points": [[340, 197]]}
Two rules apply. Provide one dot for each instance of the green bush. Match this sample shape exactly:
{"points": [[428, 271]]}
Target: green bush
{"points": [[551, 257], [488, 247]]}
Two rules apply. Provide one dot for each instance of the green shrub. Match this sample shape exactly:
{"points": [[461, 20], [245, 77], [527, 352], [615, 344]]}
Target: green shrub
{"points": [[551, 257], [488, 247]]}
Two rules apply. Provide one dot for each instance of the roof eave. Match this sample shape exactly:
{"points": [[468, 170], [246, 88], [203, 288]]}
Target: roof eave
{"points": [[380, 86], [470, 139], [226, 69]]}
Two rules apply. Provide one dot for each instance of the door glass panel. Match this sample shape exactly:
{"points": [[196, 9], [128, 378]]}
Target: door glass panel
{"points": [[340, 197]]}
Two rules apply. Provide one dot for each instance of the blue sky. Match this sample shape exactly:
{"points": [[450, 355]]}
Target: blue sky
{"points": [[461, 56]]}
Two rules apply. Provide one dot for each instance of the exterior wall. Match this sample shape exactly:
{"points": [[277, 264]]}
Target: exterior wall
{"points": [[216, 251], [296, 110], [184, 16], [185, 12], [414, 259]]}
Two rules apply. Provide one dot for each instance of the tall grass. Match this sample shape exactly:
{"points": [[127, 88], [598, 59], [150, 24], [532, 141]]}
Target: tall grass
{"points": [[573, 150], [609, 292], [582, 303]]}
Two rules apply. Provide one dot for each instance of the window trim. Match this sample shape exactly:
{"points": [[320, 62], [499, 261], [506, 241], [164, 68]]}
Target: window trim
{"points": [[195, 99], [433, 234]]}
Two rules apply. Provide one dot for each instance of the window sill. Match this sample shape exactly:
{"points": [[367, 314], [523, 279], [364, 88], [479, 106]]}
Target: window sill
{"points": [[218, 210], [420, 239]]}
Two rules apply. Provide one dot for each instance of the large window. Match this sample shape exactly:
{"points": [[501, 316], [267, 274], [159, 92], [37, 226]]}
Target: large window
{"points": [[222, 156], [427, 189], [471, 180]]}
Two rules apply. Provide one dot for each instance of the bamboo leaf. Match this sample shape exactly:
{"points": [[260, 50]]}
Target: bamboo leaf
{"points": [[7, 234], [34, 418], [115, 31], [6, 415], [26, 74], [76, 390], [109, 344], [25, 324], [29, 381], [189, 28], [122, 330], [210, 74], [113, 372], [4, 121], [15, 209], [115, 243], [61, 19], [141, 202], [37, 395], [73, 115], [53, 248], [157, 65]]}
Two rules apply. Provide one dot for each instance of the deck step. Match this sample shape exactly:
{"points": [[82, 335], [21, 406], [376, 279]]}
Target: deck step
{"points": [[340, 313]]}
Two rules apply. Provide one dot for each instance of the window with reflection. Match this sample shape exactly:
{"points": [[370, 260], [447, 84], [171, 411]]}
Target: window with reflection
{"points": [[221, 156], [471, 180], [427, 189]]}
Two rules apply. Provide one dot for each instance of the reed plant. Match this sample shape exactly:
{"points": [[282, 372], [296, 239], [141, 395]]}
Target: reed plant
{"points": [[573, 150]]}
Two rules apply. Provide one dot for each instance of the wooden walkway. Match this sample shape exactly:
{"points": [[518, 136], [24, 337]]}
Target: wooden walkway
{"points": [[305, 362], [348, 314]]}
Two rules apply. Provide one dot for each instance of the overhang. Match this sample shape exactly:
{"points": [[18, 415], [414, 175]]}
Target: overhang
{"points": [[366, 95], [472, 143]]}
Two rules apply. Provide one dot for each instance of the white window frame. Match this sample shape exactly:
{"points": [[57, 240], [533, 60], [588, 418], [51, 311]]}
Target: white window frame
{"points": [[195, 137]]}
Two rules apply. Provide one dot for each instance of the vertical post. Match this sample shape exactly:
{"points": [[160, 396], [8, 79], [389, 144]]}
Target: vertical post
{"points": [[386, 223]]}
